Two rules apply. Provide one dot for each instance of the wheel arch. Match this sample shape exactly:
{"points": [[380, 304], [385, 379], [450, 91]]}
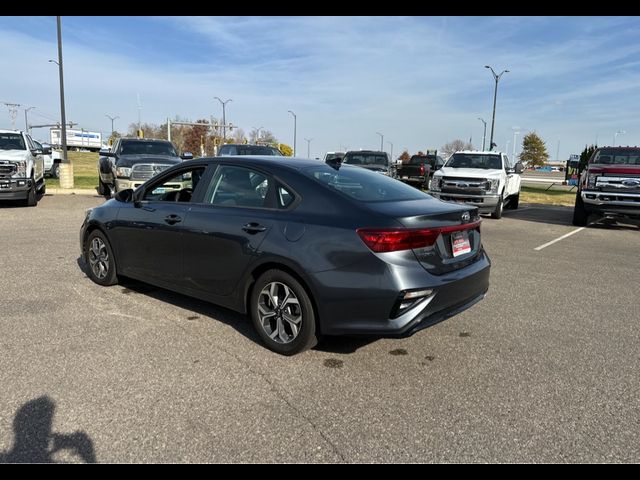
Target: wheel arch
{"points": [[274, 264]]}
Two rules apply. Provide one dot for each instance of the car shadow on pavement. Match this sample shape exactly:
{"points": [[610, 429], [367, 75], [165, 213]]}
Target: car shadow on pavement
{"points": [[541, 213], [34, 442], [239, 322]]}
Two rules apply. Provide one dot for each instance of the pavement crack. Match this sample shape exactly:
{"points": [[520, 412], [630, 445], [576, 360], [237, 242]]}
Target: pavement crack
{"points": [[279, 394]]}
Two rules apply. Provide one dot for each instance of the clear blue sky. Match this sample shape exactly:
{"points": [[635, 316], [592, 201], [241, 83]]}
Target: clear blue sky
{"points": [[419, 81]]}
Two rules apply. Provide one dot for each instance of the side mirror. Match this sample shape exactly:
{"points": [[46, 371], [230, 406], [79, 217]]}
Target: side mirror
{"points": [[36, 152], [519, 168], [125, 196], [46, 149], [187, 156]]}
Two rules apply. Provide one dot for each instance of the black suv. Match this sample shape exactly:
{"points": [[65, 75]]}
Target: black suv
{"points": [[245, 149], [133, 161]]}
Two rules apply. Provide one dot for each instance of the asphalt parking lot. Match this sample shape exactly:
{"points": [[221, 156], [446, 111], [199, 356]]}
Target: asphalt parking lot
{"points": [[545, 369]]}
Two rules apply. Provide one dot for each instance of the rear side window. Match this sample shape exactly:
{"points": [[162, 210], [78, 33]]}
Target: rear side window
{"points": [[285, 197]]}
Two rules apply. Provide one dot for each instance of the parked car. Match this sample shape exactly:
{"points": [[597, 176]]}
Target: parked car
{"points": [[487, 180], [21, 168], [419, 170], [51, 160], [609, 186], [132, 161], [246, 149], [371, 160], [304, 247]]}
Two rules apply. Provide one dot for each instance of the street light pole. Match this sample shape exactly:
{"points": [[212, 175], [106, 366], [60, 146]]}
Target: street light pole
{"points": [[295, 122], [258, 133], [308, 140], [391, 149], [615, 136], [515, 134], [112, 120], [224, 117], [484, 134], [26, 122], [381, 141], [66, 169], [495, 95]]}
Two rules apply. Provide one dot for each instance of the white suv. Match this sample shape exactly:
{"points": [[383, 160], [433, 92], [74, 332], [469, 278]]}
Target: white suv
{"points": [[21, 168], [487, 180]]}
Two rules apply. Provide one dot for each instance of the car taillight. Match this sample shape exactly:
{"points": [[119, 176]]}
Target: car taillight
{"points": [[380, 240], [422, 169]]}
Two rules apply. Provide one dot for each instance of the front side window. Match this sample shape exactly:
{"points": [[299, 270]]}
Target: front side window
{"points": [[12, 141], [177, 188], [238, 187]]}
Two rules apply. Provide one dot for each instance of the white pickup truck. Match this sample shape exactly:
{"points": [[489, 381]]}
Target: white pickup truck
{"points": [[487, 180], [21, 168]]}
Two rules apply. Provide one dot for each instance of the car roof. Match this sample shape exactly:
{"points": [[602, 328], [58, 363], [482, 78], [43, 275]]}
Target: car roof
{"points": [[10, 131], [258, 160], [481, 152], [136, 139]]}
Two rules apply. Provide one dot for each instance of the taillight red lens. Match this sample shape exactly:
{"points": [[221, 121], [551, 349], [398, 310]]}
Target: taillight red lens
{"points": [[380, 240], [422, 169]]}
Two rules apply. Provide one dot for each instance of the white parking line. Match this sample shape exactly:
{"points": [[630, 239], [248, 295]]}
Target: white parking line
{"points": [[559, 238]]}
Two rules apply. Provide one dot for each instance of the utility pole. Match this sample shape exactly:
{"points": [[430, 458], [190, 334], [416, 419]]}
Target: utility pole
{"points": [[295, 121], [224, 117], [13, 112], [484, 133], [308, 140], [26, 121], [66, 169], [381, 141], [391, 149], [113, 119]]}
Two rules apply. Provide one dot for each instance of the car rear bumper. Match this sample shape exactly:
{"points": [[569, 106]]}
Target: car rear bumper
{"points": [[369, 309]]}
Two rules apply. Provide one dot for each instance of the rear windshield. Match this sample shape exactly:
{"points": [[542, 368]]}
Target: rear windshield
{"points": [[11, 141], [362, 184], [426, 159], [366, 159], [470, 160], [332, 156], [611, 156], [148, 148]]}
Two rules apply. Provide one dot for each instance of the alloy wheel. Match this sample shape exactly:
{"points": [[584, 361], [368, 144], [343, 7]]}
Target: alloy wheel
{"points": [[279, 312]]}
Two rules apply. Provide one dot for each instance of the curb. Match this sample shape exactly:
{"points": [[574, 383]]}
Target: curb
{"points": [[73, 191]]}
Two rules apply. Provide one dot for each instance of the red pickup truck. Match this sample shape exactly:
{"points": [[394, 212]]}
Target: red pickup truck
{"points": [[610, 185]]}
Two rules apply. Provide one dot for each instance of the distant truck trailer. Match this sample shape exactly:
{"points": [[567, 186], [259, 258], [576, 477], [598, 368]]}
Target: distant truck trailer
{"points": [[78, 139]]}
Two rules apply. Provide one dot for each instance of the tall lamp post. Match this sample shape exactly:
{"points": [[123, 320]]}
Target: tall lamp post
{"points": [[224, 118], [308, 140], [381, 141], [391, 155], [615, 136], [26, 122], [496, 77], [66, 169], [295, 121], [258, 133], [484, 134], [515, 134], [112, 120]]}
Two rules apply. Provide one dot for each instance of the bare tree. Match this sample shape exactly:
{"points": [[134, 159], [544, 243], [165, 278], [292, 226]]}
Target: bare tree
{"points": [[455, 146]]}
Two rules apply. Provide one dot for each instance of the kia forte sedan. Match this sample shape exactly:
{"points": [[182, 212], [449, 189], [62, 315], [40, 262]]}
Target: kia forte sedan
{"points": [[304, 247]]}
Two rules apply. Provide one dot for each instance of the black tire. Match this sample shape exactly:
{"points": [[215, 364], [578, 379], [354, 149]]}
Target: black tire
{"points": [[55, 171], [497, 213], [270, 319], [32, 197], [102, 188], [580, 215], [43, 189], [98, 251], [514, 201]]}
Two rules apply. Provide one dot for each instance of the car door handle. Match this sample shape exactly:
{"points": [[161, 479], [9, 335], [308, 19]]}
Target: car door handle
{"points": [[253, 228], [172, 219]]}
